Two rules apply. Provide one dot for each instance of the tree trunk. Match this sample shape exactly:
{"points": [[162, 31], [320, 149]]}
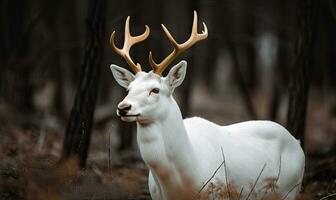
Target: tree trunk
{"points": [[16, 67], [242, 87], [68, 66], [210, 56], [78, 132], [280, 75], [249, 66], [299, 83], [189, 80]]}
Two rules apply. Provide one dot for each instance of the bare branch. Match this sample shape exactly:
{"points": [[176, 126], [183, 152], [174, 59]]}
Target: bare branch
{"points": [[210, 178], [226, 174], [330, 195], [290, 191], [240, 193], [255, 183]]}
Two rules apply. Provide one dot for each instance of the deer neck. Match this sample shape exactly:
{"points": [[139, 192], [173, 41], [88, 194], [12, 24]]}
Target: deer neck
{"points": [[166, 144]]}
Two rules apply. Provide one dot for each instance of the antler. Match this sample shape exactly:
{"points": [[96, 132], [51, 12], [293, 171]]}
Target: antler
{"points": [[178, 48], [129, 41]]}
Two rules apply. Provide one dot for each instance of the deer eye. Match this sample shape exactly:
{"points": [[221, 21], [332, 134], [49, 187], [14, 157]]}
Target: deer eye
{"points": [[154, 90]]}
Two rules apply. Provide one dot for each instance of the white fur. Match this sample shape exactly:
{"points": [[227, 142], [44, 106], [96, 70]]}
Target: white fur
{"points": [[121, 75], [193, 147]]}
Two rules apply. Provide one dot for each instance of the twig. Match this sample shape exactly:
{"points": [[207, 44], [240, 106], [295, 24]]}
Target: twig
{"points": [[290, 191], [212, 186], [226, 175], [266, 191], [109, 154], [255, 183], [210, 178], [81, 138], [240, 193], [97, 171], [42, 134], [276, 182], [330, 195]]}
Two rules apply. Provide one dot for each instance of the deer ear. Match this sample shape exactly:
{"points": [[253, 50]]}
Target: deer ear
{"points": [[176, 75], [121, 75]]}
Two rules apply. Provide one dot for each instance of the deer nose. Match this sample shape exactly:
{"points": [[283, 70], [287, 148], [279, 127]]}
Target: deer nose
{"points": [[123, 108]]}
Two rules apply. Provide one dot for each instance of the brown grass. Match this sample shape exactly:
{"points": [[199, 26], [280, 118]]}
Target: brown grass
{"points": [[28, 174]]}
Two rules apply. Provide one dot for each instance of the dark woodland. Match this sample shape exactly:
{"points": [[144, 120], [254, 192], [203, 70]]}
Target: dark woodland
{"points": [[60, 137]]}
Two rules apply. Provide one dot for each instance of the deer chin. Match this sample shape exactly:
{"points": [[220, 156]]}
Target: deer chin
{"points": [[143, 121], [130, 118]]}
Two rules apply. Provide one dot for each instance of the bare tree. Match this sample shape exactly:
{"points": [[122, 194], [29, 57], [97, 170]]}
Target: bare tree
{"points": [[16, 65], [283, 13], [241, 84], [248, 64], [299, 83], [78, 132]]}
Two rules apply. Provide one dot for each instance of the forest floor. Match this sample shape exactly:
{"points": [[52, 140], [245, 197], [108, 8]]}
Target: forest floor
{"points": [[29, 173]]}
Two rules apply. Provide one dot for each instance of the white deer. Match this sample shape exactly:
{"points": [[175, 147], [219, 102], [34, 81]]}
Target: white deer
{"points": [[194, 147]]}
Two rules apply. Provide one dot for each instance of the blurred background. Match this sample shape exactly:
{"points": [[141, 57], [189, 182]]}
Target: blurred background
{"points": [[263, 59]]}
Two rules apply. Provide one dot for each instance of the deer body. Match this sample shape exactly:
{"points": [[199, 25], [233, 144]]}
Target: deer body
{"points": [[195, 148], [192, 148]]}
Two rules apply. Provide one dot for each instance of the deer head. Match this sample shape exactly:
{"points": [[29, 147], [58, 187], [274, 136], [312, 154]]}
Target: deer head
{"points": [[149, 93]]}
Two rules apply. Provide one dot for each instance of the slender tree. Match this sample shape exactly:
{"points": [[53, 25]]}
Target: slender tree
{"points": [[282, 13], [249, 67], [299, 83], [213, 22], [241, 84], [78, 131], [15, 62], [230, 42]]}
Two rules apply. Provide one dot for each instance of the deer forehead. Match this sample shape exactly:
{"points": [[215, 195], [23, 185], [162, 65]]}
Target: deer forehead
{"points": [[145, 81]]}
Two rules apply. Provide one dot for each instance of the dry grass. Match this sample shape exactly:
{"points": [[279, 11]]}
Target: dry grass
{"points": [[29, 174], [219, 190], [37, 178], [179, 192], [38, 181]]}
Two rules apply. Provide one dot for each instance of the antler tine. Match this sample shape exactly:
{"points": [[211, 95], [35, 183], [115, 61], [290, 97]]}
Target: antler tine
{"points": [[178, 48], [129, 41]]}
